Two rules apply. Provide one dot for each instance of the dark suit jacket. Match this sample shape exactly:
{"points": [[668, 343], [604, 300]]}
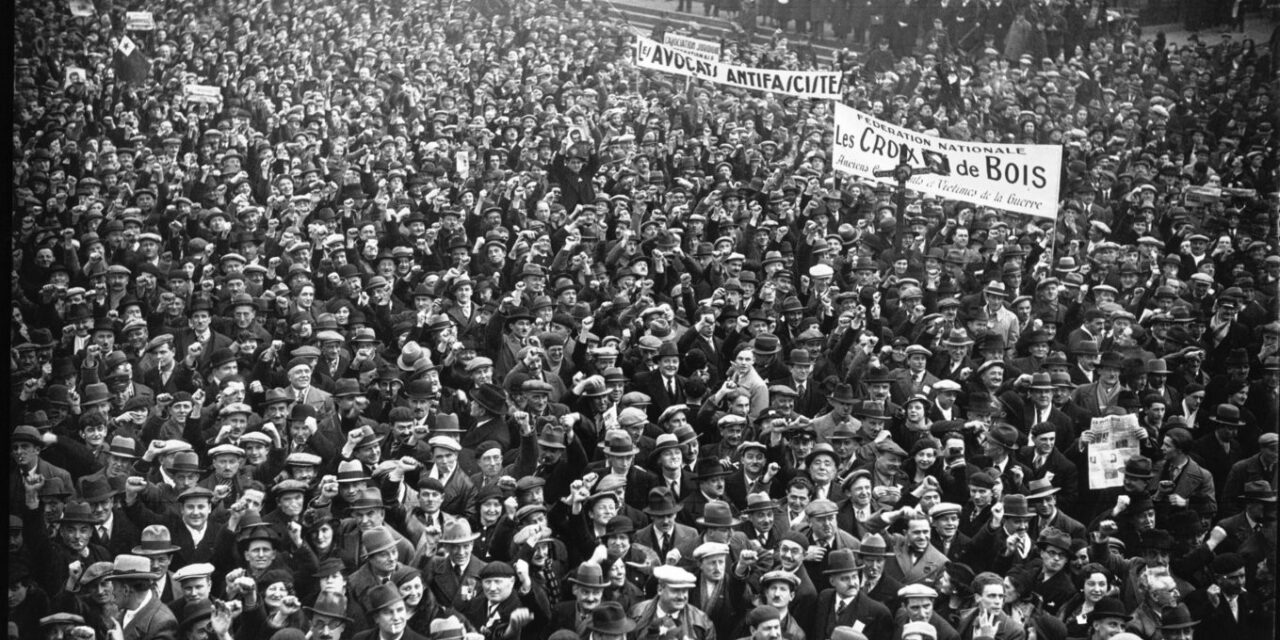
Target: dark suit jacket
{"points": [[886, 591], [683, 537], [459, 496], [1242, 473], [153, 622], [940, 624], [1065, 475], [476, 610], [1208, 452], [1060, 521], [125, 535], [1252, 620], [445, 583], [651, 383], [373, 634], [875, 617], [959, 545], [725, 607], [736, 489], [184, 339]]}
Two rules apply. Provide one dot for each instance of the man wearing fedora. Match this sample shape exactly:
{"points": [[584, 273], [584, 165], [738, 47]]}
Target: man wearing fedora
{"points": [[1252, 530], [1042, 496], [329, 619], [663, 384], [388, 614], [1037, 407], [874, 554], [115, 530], [1260, 466], [845, 604], [453, 575], [1177, 624], [196, 529], [1045, 461], [25, 444], [156, 545], [588, 588], [709, 474], [664, 533], [608, 622], [142, 615], [1004, 542]]}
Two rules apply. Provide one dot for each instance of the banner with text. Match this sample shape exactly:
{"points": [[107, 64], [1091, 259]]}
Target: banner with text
{"points": [[696, 47], [651, 54], [139, 21], [1022, 178]]}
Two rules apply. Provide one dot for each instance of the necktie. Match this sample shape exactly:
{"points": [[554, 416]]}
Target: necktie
{"points": [[106, 539], [1039, 460], [671, 389], [662, 545], [1020, 545], [675, 488], [493, 617], [844, 606]]}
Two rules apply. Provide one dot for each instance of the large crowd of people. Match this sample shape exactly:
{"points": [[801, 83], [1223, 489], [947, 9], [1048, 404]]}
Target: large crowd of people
{"points": [[427, 319]]}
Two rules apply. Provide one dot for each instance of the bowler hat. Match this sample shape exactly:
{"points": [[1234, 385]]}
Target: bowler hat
{"points": [[491, 397], [841, 561], [1108, 607]]}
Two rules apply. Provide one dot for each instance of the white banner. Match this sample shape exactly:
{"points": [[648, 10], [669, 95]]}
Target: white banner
{"points": [[81, 8], [703, 49], [651, 54], [1022, 178], [139, 21], [203, 93]]}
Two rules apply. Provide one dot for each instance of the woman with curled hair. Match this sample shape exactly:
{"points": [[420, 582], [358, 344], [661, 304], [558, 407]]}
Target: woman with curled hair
{"points": [[1094, 582]]}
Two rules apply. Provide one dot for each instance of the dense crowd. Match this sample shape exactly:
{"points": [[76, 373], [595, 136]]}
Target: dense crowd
{"points": [[443, 320]]}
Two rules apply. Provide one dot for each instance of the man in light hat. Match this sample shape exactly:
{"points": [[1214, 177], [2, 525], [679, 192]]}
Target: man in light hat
{"points": [[721, 593], [144, 616], [195, 583], [452, 575], [917, 609], [670, 611]]}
